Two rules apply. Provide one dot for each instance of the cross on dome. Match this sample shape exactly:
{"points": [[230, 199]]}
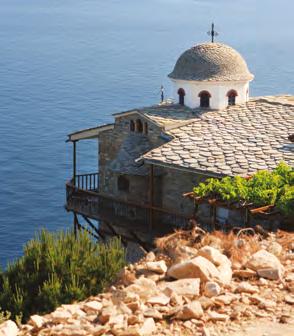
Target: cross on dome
{"points": [[212, 32]]}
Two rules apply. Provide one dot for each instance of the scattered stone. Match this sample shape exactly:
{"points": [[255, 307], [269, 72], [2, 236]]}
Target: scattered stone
{"points": [[161, 299], [206, 302], [263, 260], [246, 273], [151, 312], [270, 273], [214, 256], [211, 289], [150, 256], [226, 273], [145, 301], [156, 266], [198, 267], [275, 248], [225, 299], [105, 314], [92, 307], [205, 332], [60, 315], [148, 327], [245, 287], [214, 316], [182, 287], [8, 328], [190, 311], [37, 321], [289, 299]]}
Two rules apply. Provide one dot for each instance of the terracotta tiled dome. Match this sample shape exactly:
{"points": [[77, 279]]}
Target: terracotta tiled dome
{"points": [[211, 62]]}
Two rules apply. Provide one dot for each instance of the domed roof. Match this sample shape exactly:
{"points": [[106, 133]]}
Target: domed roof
{"points": [[211, 62]]}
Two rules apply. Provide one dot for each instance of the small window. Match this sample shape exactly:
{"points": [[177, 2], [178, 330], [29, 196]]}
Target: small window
{"points": [[139, 126], [232, 97], [123, 183], [204, 99], [132, 126], [146, 128], [181, 93]]}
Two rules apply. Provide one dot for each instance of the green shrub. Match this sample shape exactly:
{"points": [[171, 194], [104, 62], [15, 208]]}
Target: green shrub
{"points": [[262, 188], [57, 268]]}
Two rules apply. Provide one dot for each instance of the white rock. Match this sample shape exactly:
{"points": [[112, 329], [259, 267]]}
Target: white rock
{"points": [[263, 260], [190, 311], [151, 312], [211, 289], [244, 273], [160, 299], [214, 256], [226, 299], [150, 256], [156, 266], [92, 306], [8, 328], [245, 287], [226, 273], [214, 316], [275, 248], [182, 287], [60, 315], [143, 287], [198, 267], [36, 321], [148, 327]]}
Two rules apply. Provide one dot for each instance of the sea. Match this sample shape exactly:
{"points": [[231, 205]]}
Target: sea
{"points": [[67, 65]]}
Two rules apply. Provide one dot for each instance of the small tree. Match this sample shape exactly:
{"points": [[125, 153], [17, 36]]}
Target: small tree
{"points": [[57, 268]]}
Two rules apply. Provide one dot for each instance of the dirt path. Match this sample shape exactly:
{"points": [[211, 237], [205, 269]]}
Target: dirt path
{"points": [[265, 329]]}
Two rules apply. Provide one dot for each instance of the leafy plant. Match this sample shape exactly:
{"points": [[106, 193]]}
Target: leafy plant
{"points": [[57, 268], [286, 202], [263, 188]]}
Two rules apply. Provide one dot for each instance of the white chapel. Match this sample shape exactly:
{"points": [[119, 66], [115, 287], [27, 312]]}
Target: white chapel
{"points": [[210, 75]]}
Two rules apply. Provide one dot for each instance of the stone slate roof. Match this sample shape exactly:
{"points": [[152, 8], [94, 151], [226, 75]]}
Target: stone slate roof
{"points": [[236, 141], [132, 148], [211, 62]]}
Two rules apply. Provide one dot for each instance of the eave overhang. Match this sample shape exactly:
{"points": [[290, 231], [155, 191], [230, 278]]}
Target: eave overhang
{"points": [[89, 133]]}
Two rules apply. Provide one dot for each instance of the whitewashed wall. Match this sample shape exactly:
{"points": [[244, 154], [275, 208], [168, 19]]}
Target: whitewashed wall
{"points": [[217, 90]]}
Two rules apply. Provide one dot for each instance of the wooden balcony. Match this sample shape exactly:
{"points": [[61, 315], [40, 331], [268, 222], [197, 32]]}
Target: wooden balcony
{"points": [[83, 198]]}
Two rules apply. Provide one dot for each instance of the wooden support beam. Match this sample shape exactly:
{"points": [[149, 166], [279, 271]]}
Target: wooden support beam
{"points": [[74, 161], [91, 224], [76, 224]]}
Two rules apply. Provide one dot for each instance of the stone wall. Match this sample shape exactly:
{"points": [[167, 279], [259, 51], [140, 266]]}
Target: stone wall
{"points": [[109, 145]]}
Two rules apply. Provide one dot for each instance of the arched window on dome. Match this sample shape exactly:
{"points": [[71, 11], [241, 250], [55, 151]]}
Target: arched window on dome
{"points": [[181, 93], [232, 94], [204, 99], [139, 126], [132, 126]]}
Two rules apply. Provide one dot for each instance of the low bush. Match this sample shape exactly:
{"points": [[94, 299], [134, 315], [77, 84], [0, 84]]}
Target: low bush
{"points": [[57, 268], [262, 188]]}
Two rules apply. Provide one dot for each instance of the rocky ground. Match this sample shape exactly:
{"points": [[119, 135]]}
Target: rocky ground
{"points": [[194, 283]]}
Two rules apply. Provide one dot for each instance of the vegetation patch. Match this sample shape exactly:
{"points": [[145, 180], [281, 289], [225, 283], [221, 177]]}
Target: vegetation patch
{"points": [[58, 268], [261, 189]]}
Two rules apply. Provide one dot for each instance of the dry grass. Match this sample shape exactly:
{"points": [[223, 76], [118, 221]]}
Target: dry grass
{"points": [[237, 248], [285, 239]]}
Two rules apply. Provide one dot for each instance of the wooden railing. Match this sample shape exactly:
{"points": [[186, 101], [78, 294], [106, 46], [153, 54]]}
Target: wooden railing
{"points": [[87, 181], [105, 207]]}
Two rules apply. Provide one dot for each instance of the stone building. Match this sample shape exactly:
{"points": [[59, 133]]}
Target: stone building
{"points": [[150, 156]]}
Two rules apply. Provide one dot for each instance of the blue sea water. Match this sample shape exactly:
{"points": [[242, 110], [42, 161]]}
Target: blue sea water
{"points": [[69, 64]]}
